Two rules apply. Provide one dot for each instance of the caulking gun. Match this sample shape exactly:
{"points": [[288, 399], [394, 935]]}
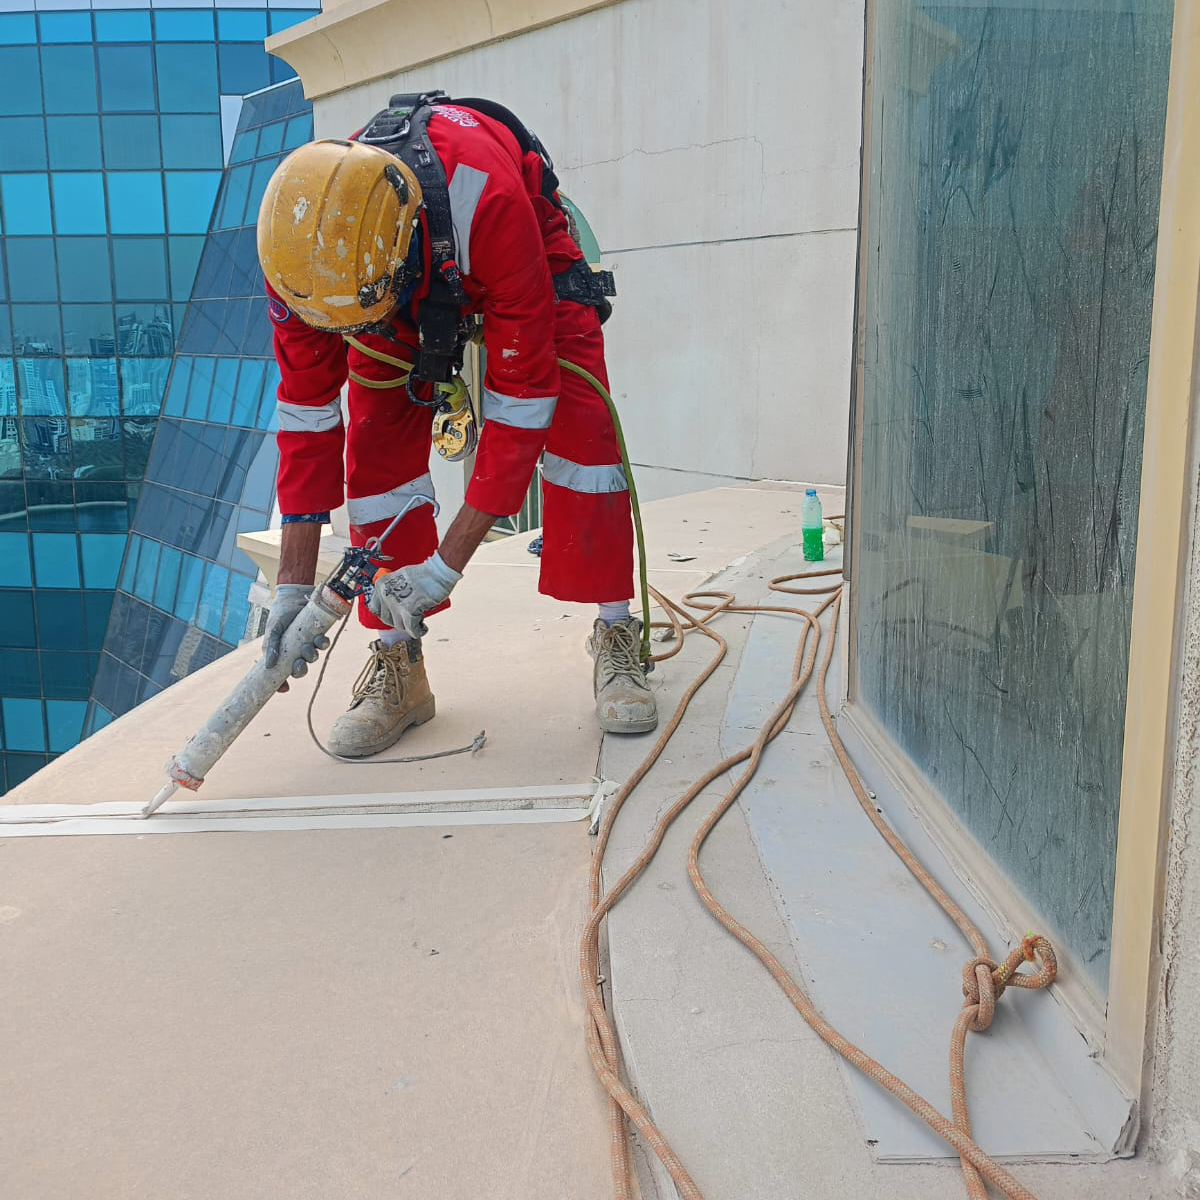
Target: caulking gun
{"points": [[329, 603]]}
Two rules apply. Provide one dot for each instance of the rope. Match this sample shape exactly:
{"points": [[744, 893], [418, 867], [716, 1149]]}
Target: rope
{"points": [[984, 981]]}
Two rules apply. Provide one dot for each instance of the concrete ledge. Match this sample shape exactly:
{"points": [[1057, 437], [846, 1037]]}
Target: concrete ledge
{"points": [[359, 40]]}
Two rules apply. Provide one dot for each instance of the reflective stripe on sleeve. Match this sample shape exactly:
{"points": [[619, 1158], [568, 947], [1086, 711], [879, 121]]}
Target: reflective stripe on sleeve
{"points": [[533, 412], [309, 418], [608, 477], [465, 189], [362, 510]]}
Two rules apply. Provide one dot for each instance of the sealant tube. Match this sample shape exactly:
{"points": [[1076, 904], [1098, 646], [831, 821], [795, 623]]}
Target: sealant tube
{"points": [[189, 767]]}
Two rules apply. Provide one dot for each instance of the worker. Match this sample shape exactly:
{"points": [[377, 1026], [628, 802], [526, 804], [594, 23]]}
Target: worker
{"points": [[379, 252]]}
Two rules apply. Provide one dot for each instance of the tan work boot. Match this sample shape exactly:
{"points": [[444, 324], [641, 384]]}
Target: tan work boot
{"points": [[624, 702], [391, 694]]}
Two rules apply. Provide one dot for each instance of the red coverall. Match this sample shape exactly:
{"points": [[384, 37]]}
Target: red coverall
{"points": [[509, 240]]}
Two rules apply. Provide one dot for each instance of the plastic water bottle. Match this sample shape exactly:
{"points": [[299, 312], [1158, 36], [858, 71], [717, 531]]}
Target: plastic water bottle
{"points": [[813, 526]]}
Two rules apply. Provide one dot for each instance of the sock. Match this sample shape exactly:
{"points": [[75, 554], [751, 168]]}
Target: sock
{"points": [[610, 614], [389, 637]]}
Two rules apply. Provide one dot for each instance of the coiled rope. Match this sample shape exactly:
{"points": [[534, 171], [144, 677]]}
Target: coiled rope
{"points": [[984, 980]]}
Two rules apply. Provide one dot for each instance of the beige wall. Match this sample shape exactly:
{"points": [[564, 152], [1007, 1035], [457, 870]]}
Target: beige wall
{"points": [[714, 148]]}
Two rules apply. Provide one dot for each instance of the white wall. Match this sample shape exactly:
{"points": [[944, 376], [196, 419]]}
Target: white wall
{"points": [[714, 148]]}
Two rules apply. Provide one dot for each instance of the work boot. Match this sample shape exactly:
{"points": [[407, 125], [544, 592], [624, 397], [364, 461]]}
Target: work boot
{"points": [[391, 694], [624, 702]]}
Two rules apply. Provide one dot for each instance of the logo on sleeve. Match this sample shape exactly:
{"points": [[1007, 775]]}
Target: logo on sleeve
{"points": [[278, 310], [457, 115]]}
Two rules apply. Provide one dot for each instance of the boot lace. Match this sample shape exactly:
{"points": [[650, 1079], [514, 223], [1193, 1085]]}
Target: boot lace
{"points": [[381, 679], [620, 650]]}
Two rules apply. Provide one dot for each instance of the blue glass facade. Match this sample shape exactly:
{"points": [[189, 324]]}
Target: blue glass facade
{"points": [[182, 599], [115, 131]]}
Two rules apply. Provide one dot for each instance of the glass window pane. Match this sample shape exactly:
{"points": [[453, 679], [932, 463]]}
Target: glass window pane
{"points": [[233, 203], [130, 142], [87, 330], [64, 720], [96, 607], [46, 450], [56, 560], [69, 78], [96, 450], [23, 729], [101, 554], [84, 272], [16, 618], [126, 26], [67, 673], [176, 399], [244, 68], [211, 610], [14, 554], [147, 568], [20, 674], [270, 138], [187, 25], [78, 201], [187, 78], [60, 618], [36, 329], [92, 386], [185, 255], [201, 385], [237, 611], [22, 144], [137, 435], [263, 170], [74, 143], [19, 767], [243, 146], [191, 572], [142, 384], [249, 391], [8, 405], [66, 26], [20, 80], [144, 329], [140, 268], [190, 196], [192, 140], [168, 578], [26, 203], [135, 202], [126, 79], [220, 407], [17, 29], [299, 131], [285, 18], [31, 274], [40, 387], [244, 26]]}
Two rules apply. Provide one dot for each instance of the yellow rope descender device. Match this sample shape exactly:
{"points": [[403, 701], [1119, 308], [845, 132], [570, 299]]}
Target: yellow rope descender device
{"points": [[455, 427]]}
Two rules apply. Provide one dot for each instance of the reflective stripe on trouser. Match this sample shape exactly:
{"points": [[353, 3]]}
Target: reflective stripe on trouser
{"points": [[587, 542], [387, 461]]}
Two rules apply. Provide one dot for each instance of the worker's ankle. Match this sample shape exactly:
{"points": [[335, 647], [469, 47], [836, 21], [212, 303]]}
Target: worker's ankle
{"points": [[610, 614], [391, 637]]}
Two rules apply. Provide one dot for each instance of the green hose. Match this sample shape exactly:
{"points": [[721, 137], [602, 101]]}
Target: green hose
{"points": [[633, 498]]}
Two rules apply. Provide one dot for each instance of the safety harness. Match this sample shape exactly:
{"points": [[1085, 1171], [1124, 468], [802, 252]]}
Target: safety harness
{"points": [[402, 129]]}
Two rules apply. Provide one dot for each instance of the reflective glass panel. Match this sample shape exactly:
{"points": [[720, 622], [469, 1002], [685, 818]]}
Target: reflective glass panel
{"points": [[130, 142], [96, 449], [31, 268], [17, 29], [64, 721], [74, 144], [78, 201], [128, 26], [20, 80], [84, 271], [241, 66], [60, 618], [22, 144], [19, 673], [101, 553], [126, 79], [143, 381], [184, 25], [140, 267], [87, 329], [26, 202], [36, 329], [40, 390], [69, 79], [92, 387], [187, 80], [23, 728], [191, 140], [135, 202], [56, 560], [190, 196], [66, 26], [16, 618], [14, 554]]}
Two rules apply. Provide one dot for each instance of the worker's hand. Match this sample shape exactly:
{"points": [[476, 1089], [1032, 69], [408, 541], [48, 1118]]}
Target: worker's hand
{"points": [[289, 602], [403, 597]]}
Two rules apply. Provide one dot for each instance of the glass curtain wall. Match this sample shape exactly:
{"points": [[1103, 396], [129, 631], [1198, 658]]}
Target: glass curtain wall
{"points": [[111, 154], [183, 594], [1012, 186]]}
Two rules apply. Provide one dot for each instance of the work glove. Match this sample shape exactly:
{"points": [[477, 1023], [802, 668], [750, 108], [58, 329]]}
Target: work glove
{"points": [[403, 597], [289, 602]]}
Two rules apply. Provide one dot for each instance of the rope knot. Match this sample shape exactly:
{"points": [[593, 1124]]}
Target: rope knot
{"points": [[985, 981]]}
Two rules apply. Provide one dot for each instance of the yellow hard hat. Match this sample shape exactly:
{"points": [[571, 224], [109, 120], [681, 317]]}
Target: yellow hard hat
{"points": [[334, 230]]}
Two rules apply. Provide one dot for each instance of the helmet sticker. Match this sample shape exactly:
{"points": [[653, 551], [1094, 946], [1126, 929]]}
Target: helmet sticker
{"points": [[278, 310]]}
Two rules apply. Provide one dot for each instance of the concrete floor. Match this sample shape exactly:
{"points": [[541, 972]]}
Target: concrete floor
{"points": [[393, 1013]]}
